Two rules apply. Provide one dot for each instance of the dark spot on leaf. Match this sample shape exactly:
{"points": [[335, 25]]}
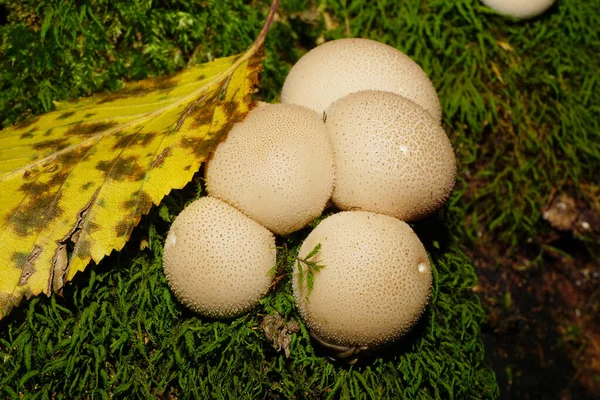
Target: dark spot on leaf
{"points": [[123, 228], [121, 94], [71, 158], [87, 185], [140, 88], [83, 249], [223, 130], [66, 115], [160, 159], [202, 112], [48, 132], [88, 115], [54, 144], [248, 100], [123, 141], [82, 129], [127, 204], [187, 167], [26, 123], [229, 107], [202, 115], [256, 61], [35, 215], [34, 188], [19, 258], [200, 148], [134, 139], [119, 169], [164, 82], [102, 203], [144, 139], [139, 202], [93, 227], [28, 134], [58, 178]]}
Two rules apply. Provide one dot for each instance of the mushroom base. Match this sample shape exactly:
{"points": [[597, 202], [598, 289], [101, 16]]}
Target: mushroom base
{"points": [[337, 352]]}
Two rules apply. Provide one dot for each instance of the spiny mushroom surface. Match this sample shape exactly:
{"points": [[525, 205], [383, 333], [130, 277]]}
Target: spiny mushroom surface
{"points": [[217, 260], [391, 156], [373, 286], [340, 67], [518, 8], [276, 167]]}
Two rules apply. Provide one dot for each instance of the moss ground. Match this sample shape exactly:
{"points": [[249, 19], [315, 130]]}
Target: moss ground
{"points": [[520, 104]]}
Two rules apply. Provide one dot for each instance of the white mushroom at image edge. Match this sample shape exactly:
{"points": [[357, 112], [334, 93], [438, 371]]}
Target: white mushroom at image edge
{"points": [[276, 167], [390, 156], [217, 260], [521, 9], [374, 282], [340, 67]]}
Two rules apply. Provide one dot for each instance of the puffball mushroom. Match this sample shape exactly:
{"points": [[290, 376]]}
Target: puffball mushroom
{"points": [[276, 167], [340, 67], [518, 8], [391, 156], [374, 283], [217, 260]]}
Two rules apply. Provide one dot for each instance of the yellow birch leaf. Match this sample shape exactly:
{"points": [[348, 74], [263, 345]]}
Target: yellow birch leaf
{"points": [[75, 182]]}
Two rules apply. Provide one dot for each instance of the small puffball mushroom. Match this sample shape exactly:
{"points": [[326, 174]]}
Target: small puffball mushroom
{"points": [[340, 67], [390, 155], [374, 283], [217, 260], [276, 167], [518, 8]]}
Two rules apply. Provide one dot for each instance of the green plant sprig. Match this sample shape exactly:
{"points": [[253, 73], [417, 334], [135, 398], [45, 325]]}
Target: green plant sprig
{"points": [[312, 267]]}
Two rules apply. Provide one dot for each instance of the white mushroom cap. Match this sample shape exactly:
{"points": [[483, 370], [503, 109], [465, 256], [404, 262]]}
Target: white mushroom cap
{"points": [[374, 284], [217, 260], [340, 67], [276, 167], [519, 8], [391, 156]]}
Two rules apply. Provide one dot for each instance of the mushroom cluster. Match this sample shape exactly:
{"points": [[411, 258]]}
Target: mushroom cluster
{"points": [[360, 125], [272, 174]]}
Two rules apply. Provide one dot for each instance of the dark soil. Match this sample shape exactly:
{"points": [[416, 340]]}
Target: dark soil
{"points": [[543, 304]]}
